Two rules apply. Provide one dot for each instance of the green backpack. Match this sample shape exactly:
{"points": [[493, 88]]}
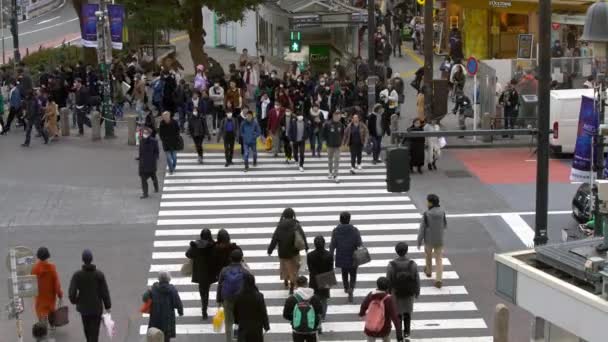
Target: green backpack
{"points": [[304, 317]]}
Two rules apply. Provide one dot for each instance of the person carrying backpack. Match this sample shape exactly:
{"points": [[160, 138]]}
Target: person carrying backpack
{"points": [[405, 285], [379, 309], [290, 238], [303, 309], [228, 288]]}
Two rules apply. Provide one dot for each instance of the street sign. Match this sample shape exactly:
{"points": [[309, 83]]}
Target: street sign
{"points": [[27, 286], [24, 258], [472, 65]]}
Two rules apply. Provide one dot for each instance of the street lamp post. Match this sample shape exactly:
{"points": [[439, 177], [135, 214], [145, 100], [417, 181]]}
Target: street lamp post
{"points": [[2, 28], [15, 33], [104, 66], [428, 58], [544, 90]]}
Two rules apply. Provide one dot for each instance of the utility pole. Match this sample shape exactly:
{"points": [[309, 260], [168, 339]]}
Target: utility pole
{"points": [[544, 89], [428, 58], [2, 11], [104, 65], [371, 54], [15, 33]]}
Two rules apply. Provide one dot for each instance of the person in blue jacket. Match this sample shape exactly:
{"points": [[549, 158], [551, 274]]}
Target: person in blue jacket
{"points": [[250, 131]]}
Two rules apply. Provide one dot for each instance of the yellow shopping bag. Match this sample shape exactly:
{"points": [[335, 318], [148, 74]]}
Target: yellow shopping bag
{"points": [[218, 320], [268, 143]]}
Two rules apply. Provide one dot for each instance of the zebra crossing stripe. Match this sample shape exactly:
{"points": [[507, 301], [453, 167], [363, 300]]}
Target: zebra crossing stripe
{"points": [[262, 165], [300, 194], [439, 339], [273, 220], [279, 210], [270, 230], [352, 326], [284, 202], [220, 155], [253, 170], [317, 181]]}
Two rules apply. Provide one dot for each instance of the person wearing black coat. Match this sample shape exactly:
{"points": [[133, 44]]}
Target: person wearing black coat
{"points": [[33, 111], [416, 147], [221, 252], [165, 300], [172, 141], [345, 239], [197, 124], [320, 261], [289, 256], [250, 312], [89, 292], [148, 159], [201, 252]]}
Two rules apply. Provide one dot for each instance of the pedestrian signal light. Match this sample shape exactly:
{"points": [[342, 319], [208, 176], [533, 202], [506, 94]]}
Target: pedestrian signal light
{"points": [[295, 38]]}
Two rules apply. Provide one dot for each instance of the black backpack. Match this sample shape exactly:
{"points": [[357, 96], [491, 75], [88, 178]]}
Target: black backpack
{"points": [[404, 281]]}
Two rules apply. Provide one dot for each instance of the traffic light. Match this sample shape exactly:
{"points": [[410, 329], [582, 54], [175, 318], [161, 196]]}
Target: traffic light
{"points": [[295, 41]]}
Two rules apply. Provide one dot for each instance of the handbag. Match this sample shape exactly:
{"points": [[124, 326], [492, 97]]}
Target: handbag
{"points": [[109, 324], [298, 241], [186, 269], [146, 306], [326, 280], [180, 143], [60, 316], [442, 142], [361, 256]]}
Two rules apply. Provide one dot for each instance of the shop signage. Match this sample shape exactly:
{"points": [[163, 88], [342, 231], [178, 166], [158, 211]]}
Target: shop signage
{"points": [[524, 46], [319, 57], [472, 65], [500, 3], [305, 21], [555, 26]]}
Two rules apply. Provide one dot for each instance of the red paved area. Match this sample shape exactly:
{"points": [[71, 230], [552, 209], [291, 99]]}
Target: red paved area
{"points": [[509, 166]]}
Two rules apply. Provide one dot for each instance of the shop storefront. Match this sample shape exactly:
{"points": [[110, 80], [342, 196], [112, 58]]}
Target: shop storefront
{"points": [[490, 28]]}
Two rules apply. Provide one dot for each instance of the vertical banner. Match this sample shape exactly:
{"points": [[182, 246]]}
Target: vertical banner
{"points": [[588, 123], [89, 25], [117, 20]]}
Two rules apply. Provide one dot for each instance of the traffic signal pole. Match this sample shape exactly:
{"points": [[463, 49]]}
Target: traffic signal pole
{"points": [[15, 33], [428, 58]]}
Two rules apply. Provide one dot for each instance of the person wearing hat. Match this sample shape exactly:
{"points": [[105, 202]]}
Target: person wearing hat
{"points": [[148, 160], [89, 292], [49, 286]]}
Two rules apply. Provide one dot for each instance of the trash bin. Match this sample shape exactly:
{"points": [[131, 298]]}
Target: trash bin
{"points": [[528, 111]]}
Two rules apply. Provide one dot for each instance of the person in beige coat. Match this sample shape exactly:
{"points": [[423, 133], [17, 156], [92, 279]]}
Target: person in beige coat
{"points": [[355, 137], [50, 120], [420, 104]]}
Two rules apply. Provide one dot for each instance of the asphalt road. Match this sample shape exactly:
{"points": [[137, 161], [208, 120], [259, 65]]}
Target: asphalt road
{"points": [[49, 30]]}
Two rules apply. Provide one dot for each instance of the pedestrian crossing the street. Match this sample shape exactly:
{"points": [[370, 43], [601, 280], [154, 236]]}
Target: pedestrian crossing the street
{"points": [[249, 205]]}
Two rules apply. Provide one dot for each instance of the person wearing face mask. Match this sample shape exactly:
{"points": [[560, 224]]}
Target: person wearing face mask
{"points": [[376, 131], [168, 131], [148, 160], [234, 98], [275, 119], [356, 135], [251, 81], [332, 133], [316, 118], [286, 123], [197, 125], [299, 132], [390, 99], [216, 94], [263, 109], [250, 131], [229, 131]]}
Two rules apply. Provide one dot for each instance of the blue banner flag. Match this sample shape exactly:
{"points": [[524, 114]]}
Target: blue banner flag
{"points": [[117, 20], [588, 125], [89, 25]]}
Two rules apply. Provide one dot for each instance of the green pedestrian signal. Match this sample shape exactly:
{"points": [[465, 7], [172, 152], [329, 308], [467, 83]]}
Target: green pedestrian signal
{"points": [[295, 38]]}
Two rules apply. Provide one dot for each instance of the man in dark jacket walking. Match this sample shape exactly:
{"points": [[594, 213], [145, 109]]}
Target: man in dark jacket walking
{"points": [[148, 159], [289, 254], [299, 132], [229, 285], [320, 261], [333, 135], [198, 128], [89, 292], [250, 312], [229, 131], [431, 233], [303, 298], [82, 105], [169, 133], [376, 131], [405, 285], [34, 119], [201, 252], [345, 239]]}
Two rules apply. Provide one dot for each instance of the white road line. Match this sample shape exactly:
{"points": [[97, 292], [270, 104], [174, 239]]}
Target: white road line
{"points": [[285, 201], [253, 171], [523, 231], [354, 309], [272, 183], [265, 241], [274, 265], [343, 192], [275, 279], [524, 213], [263, 252], [269, 230], [264, 165], [47, 20], [337, 293], [329, 327], [439, 339], [274, 220], [279, 210], [260, 155]]}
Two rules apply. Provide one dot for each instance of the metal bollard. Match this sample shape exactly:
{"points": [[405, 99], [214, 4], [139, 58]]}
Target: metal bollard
{"points": [[132, 128], [95, 125], [65, 122], [501, 323], [486, 123]]}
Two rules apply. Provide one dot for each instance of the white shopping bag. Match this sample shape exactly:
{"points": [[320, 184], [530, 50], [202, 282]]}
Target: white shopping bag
{"points": [[442, 142], [109, 325]]}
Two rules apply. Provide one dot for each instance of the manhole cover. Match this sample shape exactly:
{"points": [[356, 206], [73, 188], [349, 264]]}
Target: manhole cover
{"points": [[457, 174]]}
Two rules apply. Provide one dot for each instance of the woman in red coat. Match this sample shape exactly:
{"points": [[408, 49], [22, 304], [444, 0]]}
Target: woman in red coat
{"points": [[49, 287]]}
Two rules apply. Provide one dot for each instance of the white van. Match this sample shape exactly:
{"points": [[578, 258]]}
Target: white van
{"points": [[565, 110]]}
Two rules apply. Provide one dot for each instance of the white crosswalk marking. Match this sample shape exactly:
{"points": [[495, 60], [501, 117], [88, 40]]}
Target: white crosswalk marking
{"points": [[249, 204]]}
